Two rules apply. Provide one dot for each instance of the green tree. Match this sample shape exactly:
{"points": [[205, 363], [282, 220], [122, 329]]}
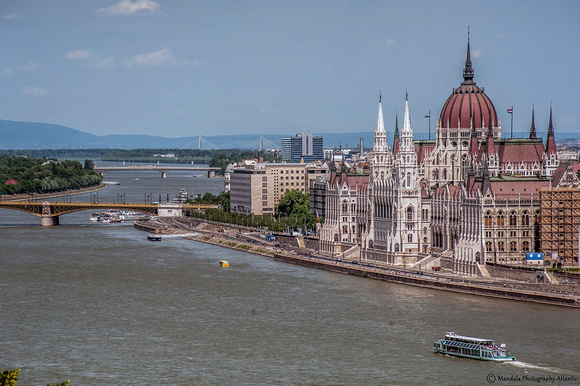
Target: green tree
{"points": [[89, 164], [294, 205], [9, 377]]}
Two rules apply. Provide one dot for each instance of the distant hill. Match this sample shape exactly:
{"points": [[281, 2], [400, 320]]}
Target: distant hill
{"points": [[34, 135]]}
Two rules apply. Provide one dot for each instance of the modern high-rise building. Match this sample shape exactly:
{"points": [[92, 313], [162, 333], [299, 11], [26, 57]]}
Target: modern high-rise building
{"points": [[303, 146]]}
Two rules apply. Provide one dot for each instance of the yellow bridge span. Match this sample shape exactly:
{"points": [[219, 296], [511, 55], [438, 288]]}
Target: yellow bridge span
{"points": [[49, 212]]}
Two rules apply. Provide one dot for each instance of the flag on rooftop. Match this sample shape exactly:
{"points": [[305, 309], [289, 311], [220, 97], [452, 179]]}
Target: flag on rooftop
{"points": [[510, 111], [428, 115]]}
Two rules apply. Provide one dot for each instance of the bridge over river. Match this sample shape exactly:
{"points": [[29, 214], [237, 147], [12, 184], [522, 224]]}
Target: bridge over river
{"points": [[163, 169], [49, 212]]}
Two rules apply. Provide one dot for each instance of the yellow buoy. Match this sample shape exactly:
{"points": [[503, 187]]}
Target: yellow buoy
{"points": [[224, 263]]}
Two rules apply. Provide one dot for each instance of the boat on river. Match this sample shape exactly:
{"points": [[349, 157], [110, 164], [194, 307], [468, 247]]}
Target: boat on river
{"points": [[474, 348], [154, 238]]}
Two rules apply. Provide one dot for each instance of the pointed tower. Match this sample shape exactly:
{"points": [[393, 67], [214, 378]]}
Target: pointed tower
{"points": [[408, 191], [551, 143], [406, 157], [468, 69], [533, 127], [551, 162], [380, 145], [396, 136]]}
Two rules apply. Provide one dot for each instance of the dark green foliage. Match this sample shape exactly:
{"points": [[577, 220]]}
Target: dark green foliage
{"points": [[297, 204], [9, 377], [41, 175], [89, 165], [222, 199], [65, 383], [294, 215]]}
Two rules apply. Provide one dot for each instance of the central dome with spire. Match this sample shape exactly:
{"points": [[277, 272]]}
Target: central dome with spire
{"points": [[468, 104]]}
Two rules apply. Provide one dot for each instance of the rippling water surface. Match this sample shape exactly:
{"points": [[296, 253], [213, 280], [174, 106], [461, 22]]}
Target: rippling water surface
{"points": [[100, 304]]}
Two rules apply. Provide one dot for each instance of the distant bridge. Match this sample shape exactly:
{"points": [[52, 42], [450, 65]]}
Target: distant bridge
{"points": [[163, 169], [49, 212]]}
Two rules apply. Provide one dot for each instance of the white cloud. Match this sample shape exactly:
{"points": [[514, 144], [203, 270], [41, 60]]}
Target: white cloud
{"points": [[78, 54], [126, 7], [106, 63], [153, 59], [35, 91], [10, 16], [476, 54]]}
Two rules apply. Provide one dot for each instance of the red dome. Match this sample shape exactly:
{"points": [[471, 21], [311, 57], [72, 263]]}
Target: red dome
{"points": [[468, 103]]}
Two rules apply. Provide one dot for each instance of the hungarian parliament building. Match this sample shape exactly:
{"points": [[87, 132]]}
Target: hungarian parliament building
{"points": [[467, 198]]}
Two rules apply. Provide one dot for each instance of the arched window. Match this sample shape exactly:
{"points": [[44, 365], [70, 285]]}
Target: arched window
{"points": [[336, 237], [488, 218], [410, 213], [526, 246], [345, 229], [353, 207], [345, 206], [436, 174], [513, 218], [500, 246], [536, 216], [513, 246], [525, 218], [500, 219], [444, 174], [425, 232], [382, 175], [408, 180], [488, 246], [410, 237], [397, 247]]}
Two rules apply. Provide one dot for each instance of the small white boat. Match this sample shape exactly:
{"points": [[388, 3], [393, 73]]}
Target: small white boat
{"points": [[474, 348]]}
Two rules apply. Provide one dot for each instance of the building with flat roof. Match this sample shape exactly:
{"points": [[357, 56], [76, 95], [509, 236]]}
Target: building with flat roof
{"points": [[303, 146], [258, 188]]}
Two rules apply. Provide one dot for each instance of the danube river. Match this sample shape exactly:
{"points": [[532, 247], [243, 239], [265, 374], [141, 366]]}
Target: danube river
{"points": [[99, 304]]}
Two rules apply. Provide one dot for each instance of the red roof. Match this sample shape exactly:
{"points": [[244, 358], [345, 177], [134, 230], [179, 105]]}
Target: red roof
{"points": [[467, 103], [11, 181], [360, 182], [527, 151], [514, 189]]}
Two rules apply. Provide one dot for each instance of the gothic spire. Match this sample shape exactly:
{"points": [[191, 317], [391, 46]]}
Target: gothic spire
{"points": [[396, 136], [533, 127], [468, 70], [380, 122], [550, 126], [551, 142], [380, 144], [406, 119]]}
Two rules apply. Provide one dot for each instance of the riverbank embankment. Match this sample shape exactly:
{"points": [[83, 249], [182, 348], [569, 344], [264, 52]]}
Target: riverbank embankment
{"points": [[250, 240]]}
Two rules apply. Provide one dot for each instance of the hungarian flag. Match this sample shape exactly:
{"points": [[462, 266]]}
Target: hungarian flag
{"points": [[510, 111], [428, 115]]}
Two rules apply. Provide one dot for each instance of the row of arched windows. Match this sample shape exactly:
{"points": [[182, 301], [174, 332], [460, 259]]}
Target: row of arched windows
{"points": [[513, 218]]}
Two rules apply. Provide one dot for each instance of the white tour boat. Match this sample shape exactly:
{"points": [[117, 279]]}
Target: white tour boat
{"points": [[474, 348]]}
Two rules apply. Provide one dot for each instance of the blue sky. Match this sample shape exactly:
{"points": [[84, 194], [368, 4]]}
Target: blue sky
{"points": [[184, 68]]}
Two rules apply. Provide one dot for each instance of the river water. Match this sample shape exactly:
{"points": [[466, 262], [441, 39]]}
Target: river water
{"points": [[99, 304]]}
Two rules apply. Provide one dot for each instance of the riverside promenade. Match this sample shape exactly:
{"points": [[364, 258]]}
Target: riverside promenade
{"points": [[250, 240]]}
